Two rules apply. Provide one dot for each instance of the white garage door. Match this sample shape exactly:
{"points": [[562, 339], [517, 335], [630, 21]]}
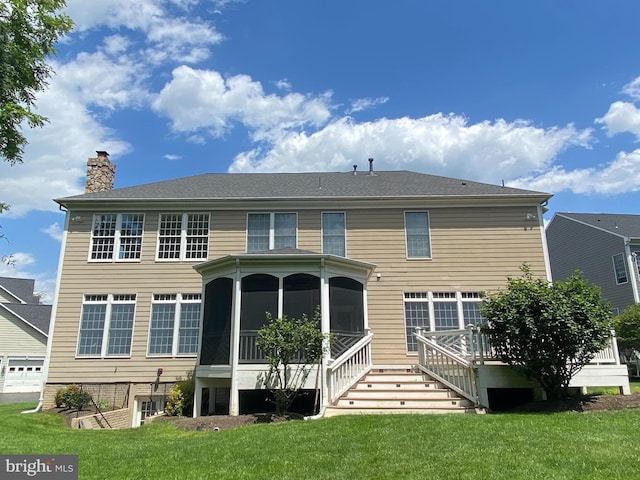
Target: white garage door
{"points": [[23, 375]]}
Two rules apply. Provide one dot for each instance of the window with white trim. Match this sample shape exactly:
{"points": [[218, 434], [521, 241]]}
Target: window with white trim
{"points": [[175, 324], [106, 325], [333, 233], [116, 237], [417, 236], [438, 311], [183, 236], [620, 269], [267, 231]]}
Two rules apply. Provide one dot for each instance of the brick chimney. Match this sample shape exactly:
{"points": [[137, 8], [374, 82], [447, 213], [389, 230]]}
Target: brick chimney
{"points": [[100, 173]]}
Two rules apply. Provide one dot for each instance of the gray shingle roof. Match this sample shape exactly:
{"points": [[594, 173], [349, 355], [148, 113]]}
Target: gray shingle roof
{"points": [[328, 185], [21, 288], [621, 224], [37, 316]]}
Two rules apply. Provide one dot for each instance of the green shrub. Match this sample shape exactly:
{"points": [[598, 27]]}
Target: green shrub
{"points": [[180, 399], [72, 396]]}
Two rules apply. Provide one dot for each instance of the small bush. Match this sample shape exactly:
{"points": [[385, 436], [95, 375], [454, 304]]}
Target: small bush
{"points": [[180, 399], [72, 396], [103, 404]]}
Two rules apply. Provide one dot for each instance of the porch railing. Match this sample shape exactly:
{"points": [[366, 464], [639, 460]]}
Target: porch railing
{"points": [[349, 367], [442, 363], [474, 346], [250, 353]]}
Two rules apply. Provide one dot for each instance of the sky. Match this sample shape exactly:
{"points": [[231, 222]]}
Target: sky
{"points": [[540, 95]]}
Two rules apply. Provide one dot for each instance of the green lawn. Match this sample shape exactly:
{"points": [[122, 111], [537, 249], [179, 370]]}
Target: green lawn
{"points": [[635, 388], [569, 445]]}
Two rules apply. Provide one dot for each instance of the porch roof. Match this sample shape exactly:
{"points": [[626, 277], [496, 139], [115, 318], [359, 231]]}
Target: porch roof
{"points": [[284, 256]]}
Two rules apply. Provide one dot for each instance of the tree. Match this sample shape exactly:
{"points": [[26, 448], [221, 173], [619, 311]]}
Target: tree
{"points": [[547, 331], [29, 30], [291, 346], [627, 326]]}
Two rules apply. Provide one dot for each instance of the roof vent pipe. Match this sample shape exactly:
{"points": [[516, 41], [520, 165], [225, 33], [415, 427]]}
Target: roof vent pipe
{"points": [[371, 167], [355, 167]]}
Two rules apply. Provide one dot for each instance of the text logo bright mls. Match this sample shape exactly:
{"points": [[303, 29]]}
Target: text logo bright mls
{"points": [[58, 467]]}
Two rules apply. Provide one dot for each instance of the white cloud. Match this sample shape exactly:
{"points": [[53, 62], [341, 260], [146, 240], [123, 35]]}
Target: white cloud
{"points": [[203, 99], [171, 157], [366, 103], [169, 33], [621, 175], [54, 231], [56, 156], [632, 88], [437, 144], [621, 117], [95, 78]]}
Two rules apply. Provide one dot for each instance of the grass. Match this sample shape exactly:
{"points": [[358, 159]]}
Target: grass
{"points": [[503, 446], [635, 388]]}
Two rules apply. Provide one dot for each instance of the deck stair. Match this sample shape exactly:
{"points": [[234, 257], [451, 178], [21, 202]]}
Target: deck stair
{"points": [[398, 389]]}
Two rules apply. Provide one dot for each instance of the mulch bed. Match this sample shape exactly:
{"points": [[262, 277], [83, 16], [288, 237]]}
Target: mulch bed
{"points": [[224, 422]]}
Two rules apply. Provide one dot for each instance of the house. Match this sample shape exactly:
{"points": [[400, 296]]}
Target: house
{"points": [[160, 279], [24, 329], [605, 247]]}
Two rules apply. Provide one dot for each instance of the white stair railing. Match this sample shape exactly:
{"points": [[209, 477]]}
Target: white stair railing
{"points": [[444, 365], [349, 367]]}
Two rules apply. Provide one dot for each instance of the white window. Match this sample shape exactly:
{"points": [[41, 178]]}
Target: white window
{"points": [[266, 231], [620, 269], [438, 311], [116, 237], [417, 236], [183, 236], [106, 325], [175, 325], [333, 233]]}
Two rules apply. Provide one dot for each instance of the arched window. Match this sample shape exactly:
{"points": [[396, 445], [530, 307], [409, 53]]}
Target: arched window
{"points": [[301, 295], [259, 295]]}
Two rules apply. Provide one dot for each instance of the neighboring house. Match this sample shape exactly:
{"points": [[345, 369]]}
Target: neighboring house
{"points": [[159, 279], [605, 247], [24, 327]]}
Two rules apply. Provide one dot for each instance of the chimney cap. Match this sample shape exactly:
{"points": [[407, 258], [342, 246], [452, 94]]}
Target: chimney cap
{"points": [[102, 153]]}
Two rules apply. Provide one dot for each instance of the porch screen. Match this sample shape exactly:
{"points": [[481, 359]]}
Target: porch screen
{"points": [[216, 329], [301, 295], [345, 305], [259, 295]]}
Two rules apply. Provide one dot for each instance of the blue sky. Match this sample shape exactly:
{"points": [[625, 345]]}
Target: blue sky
{"points": [[542, 95]]}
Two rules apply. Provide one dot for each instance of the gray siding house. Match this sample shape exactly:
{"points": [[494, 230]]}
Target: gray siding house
{"points": [[604, 247]]}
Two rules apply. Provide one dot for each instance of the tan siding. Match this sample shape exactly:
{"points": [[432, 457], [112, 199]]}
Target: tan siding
{"points": [[473, 249]]}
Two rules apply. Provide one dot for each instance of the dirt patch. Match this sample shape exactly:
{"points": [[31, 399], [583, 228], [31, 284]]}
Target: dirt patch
{"points": [[585, 403], [224, 422]]}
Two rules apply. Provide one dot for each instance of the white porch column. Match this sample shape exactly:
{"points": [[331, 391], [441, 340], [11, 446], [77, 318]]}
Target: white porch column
{"points": [[197, 401], [325, 327], [234, 407]]}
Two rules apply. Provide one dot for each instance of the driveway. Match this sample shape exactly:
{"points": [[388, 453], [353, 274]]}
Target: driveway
{"points": [[19, 397]]}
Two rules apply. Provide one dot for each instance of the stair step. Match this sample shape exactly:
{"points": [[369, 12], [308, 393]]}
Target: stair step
{"points": [[400, 403], [366, 384], [398, 378], [338, 411], [401, 394]]}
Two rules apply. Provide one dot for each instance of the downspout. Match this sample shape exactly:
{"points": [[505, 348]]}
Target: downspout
{"points": [[54, 311]]}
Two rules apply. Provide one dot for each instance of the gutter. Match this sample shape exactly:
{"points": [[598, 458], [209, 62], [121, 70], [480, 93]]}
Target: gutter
{"points": [[318, 415]]}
